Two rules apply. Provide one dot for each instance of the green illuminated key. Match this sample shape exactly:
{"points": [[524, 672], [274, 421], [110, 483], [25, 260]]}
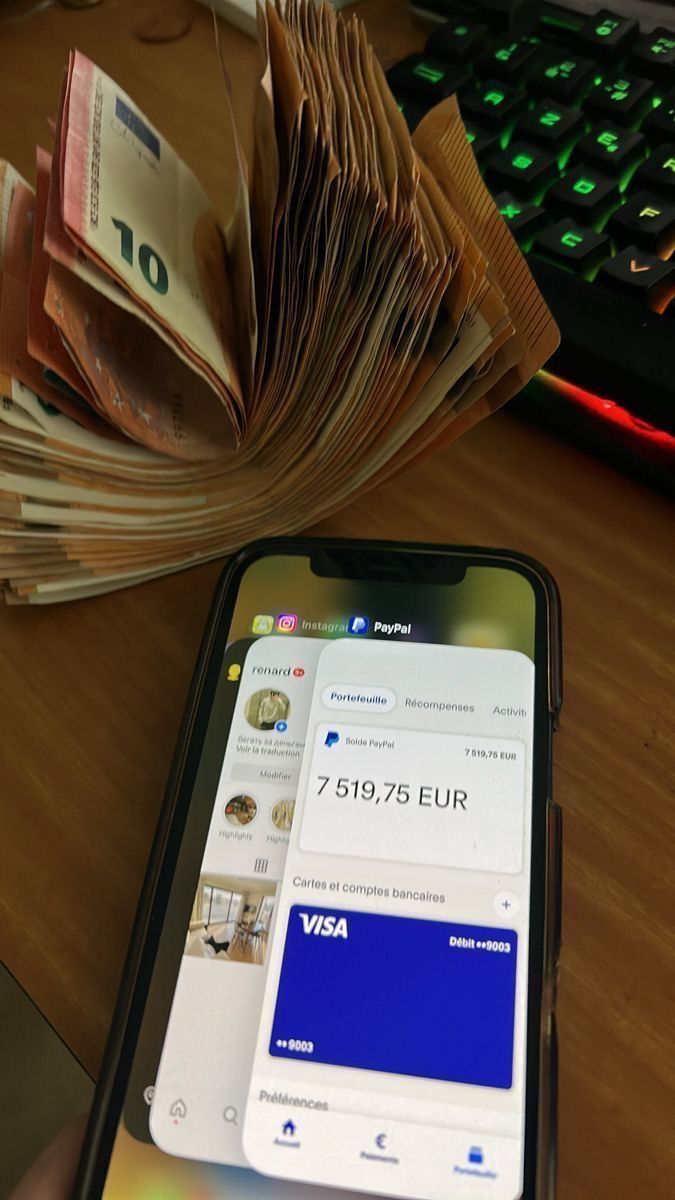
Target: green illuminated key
{"points": [[413, 112], [457, 41], [606, 29], [607, 35], [561, 70], [573, 246], [494, 104], [551, 125], [525, 170], [426, 79], [567, 21], [662, 46], [424, 70], [523, 219], [508, 59], [659, 126], [654, 56], [510, 211], [621, 97], [611, 148], [609, 141], [658, 171], [562, 77], [583, 194], [483, 142]]}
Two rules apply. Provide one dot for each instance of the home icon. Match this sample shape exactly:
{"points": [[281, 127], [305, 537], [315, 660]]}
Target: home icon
{"points": [[288, 1129], [178, 1111]]}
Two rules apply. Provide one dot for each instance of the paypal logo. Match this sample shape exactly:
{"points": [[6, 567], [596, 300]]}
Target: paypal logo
{"points": [[321, 925], [358, 625], [331, 738]]}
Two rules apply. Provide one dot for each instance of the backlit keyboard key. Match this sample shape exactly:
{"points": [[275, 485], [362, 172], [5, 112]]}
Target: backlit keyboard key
{"points": [[523, 169], [611, 149], [494, 103], [561, 76], [654, 55], [523, 219], [502, 16], [484, 142], [413, 111], [645, 221], [550, 124], [622, 98], [658, 171], [659, 125], [573, 246], [583, 194], [508, 59], [457, 42], [560, 26], [426, 78], [644, 276], [607, 36]]}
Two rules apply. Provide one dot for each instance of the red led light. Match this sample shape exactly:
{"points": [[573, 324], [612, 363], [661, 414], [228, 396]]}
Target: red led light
{"points": [[657, 441]]}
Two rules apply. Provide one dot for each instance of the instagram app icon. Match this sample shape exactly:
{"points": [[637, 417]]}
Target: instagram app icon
{"points": [[286, 623]]}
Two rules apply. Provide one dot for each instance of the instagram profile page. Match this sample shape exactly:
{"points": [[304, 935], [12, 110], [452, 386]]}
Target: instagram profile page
{"points": [[203, 1079]]}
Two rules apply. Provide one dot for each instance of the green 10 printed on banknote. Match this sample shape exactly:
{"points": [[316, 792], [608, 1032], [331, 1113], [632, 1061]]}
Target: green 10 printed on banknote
{"points": [[174, 384]]}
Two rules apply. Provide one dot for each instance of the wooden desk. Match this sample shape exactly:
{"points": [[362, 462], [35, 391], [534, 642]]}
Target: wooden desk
{"points": [[91, 693]]}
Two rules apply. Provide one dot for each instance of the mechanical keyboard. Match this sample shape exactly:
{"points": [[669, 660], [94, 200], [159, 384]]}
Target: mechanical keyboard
{"points": [[572, 121]]}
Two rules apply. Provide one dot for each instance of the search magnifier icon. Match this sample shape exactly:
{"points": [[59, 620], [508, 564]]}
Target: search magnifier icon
{"points": [[231, 1115]]}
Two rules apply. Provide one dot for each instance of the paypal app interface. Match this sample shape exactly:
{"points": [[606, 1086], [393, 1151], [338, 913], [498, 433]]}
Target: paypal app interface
{"points": [[390, 1053]]}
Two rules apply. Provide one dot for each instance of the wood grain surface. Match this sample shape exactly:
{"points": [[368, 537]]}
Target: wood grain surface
{"points": [[91, 693]]}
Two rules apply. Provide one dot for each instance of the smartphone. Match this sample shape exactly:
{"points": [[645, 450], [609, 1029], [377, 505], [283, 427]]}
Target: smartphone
{"points": [[343, 969]]}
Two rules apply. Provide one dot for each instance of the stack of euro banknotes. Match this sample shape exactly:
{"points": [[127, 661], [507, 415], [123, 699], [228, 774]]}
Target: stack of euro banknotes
{"points": [[175, 381]]}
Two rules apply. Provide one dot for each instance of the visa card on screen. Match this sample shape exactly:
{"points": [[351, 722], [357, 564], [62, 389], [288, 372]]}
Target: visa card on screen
{"points": [[397, 994]]}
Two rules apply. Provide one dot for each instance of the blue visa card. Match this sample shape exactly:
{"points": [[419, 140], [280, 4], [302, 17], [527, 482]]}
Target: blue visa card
{"points": [[397, 994]]}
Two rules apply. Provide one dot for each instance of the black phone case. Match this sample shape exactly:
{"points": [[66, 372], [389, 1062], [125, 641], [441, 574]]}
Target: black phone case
{"points": [[111, 1084]]}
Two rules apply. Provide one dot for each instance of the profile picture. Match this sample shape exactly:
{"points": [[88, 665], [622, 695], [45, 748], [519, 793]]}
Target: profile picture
{"points": [[266, 708], [282, 815], [241, 810]]}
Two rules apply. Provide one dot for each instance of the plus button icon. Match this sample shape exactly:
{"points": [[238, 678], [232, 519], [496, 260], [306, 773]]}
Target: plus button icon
{"points": [[506, 904]]}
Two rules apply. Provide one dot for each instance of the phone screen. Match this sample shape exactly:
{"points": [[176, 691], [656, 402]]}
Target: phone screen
{"points": [[339, 997]]}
